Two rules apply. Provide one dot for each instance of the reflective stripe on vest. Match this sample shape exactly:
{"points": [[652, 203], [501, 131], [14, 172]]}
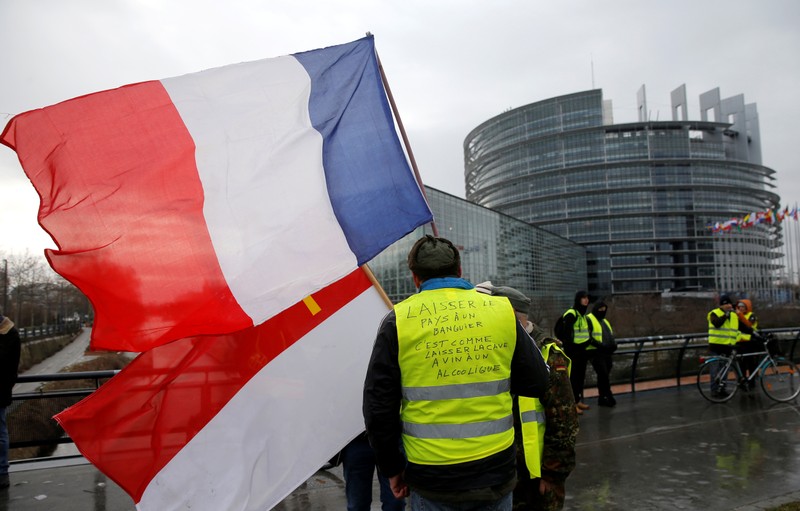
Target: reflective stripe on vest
{"points": [[532, 422], [455, 350], [435, 393], [728, 333], [580, 328], [597, 329], [474, 429]]}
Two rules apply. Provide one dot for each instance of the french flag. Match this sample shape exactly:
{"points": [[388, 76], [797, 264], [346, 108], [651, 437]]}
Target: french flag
{"points": [[236, 422], [210, 202]]}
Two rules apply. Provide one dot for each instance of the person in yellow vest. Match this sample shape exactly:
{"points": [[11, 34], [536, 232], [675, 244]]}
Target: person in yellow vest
{"points": [[599, 352], [545, 429], [723, 332], [746, 344], [443, 368], [576, 342]]}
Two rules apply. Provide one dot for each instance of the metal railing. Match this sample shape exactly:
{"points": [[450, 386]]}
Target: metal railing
{"points": [[636, 348], [30, 333], [33, 426]]}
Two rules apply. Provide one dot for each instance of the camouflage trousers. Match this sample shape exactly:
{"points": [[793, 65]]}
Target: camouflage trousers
{"points": [[527, 497]]}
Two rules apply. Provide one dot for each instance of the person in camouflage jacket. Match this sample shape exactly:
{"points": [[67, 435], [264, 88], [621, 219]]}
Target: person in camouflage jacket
{"points": [[561, 432], [561, 420]]}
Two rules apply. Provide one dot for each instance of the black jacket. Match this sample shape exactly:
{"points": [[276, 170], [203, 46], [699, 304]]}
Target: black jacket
{"points": [[568, 333], [9, 360]]}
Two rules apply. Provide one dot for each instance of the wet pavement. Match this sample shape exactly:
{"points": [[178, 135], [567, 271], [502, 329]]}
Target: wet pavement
{"points": [[662, 449], [669, 449]]}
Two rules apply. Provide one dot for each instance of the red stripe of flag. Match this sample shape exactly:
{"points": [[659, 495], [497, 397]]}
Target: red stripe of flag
{"points": [[133, 425], [131, 167]]}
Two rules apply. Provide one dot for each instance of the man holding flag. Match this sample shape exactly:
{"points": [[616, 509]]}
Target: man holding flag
{"points": [[448, 360]]}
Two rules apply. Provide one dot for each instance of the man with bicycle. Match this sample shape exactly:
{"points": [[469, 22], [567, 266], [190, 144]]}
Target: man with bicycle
{"points": [[723, 373], [724, 329]]}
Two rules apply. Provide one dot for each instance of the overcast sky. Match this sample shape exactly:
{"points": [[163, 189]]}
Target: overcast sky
{"points": [[450, 64]]}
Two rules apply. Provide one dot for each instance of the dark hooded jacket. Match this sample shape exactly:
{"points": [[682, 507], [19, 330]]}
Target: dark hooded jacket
{"points": [[569, 319], [600, 314], [9, 359], [608, 336]]}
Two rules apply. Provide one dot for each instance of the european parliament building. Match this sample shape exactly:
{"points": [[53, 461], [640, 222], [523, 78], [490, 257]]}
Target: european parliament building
{"points": [[638, 196], [494, 247]]}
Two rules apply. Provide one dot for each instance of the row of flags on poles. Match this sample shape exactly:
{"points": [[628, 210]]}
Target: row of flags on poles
{"points": [[770, 217], [219, 223]]}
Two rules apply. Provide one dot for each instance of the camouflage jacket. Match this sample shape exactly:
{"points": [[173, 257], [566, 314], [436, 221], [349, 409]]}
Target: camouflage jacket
{"points": [[561, 429]]}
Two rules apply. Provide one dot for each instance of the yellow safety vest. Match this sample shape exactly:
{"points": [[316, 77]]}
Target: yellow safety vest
{"points": [[728, 333], [597, 329], [580, 328], [455, 351], [532, 422], [746, 337]]}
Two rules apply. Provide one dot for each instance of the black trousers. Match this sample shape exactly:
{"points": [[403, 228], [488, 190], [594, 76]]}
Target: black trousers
{"points": [[749, 363], [577, 374], [720, 349], [601, 362]]}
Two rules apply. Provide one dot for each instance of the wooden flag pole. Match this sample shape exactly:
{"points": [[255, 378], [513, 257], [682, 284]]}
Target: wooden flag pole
{"points": [[377, 285], [405, 138]]}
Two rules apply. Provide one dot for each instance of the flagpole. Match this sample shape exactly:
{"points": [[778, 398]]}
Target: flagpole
{"points": [[405, 138], [795, 276], [377, 285], [793, 243]]}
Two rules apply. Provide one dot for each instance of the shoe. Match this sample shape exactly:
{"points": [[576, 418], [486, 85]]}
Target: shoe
{"points": [[606, 401], [578, 409], [582, 406], [4, 482]]}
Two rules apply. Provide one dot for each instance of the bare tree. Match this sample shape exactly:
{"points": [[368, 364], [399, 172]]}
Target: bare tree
{"points": [[62, 300], [36, 295]]}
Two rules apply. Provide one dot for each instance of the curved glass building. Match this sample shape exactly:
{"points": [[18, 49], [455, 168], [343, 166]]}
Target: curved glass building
{"points": [[495, 247], [638, 196]]}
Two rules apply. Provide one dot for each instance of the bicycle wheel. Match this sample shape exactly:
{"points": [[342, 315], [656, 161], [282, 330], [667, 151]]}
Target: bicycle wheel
{"points": [[718, 379], [780, 380]]}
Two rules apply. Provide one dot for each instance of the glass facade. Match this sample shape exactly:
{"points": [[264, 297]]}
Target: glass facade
{"points": [[495, 247], [638, 196]]}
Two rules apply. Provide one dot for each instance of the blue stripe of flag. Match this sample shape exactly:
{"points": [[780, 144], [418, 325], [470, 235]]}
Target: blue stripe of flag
{"points": [[372, 188]]}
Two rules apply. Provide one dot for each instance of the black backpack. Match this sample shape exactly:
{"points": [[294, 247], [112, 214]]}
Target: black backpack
{"points": [[560, 330]]}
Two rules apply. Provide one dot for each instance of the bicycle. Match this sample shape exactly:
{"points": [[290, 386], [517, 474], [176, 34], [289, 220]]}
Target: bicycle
{"points": [[721, 376]]}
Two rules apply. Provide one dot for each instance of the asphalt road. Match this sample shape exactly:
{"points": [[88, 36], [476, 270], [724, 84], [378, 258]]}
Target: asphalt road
{"points": [[72, 353]]}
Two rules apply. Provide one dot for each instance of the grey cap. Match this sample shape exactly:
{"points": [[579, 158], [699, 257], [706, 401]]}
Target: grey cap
{"points": [[486, 288], [519, 301]]}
